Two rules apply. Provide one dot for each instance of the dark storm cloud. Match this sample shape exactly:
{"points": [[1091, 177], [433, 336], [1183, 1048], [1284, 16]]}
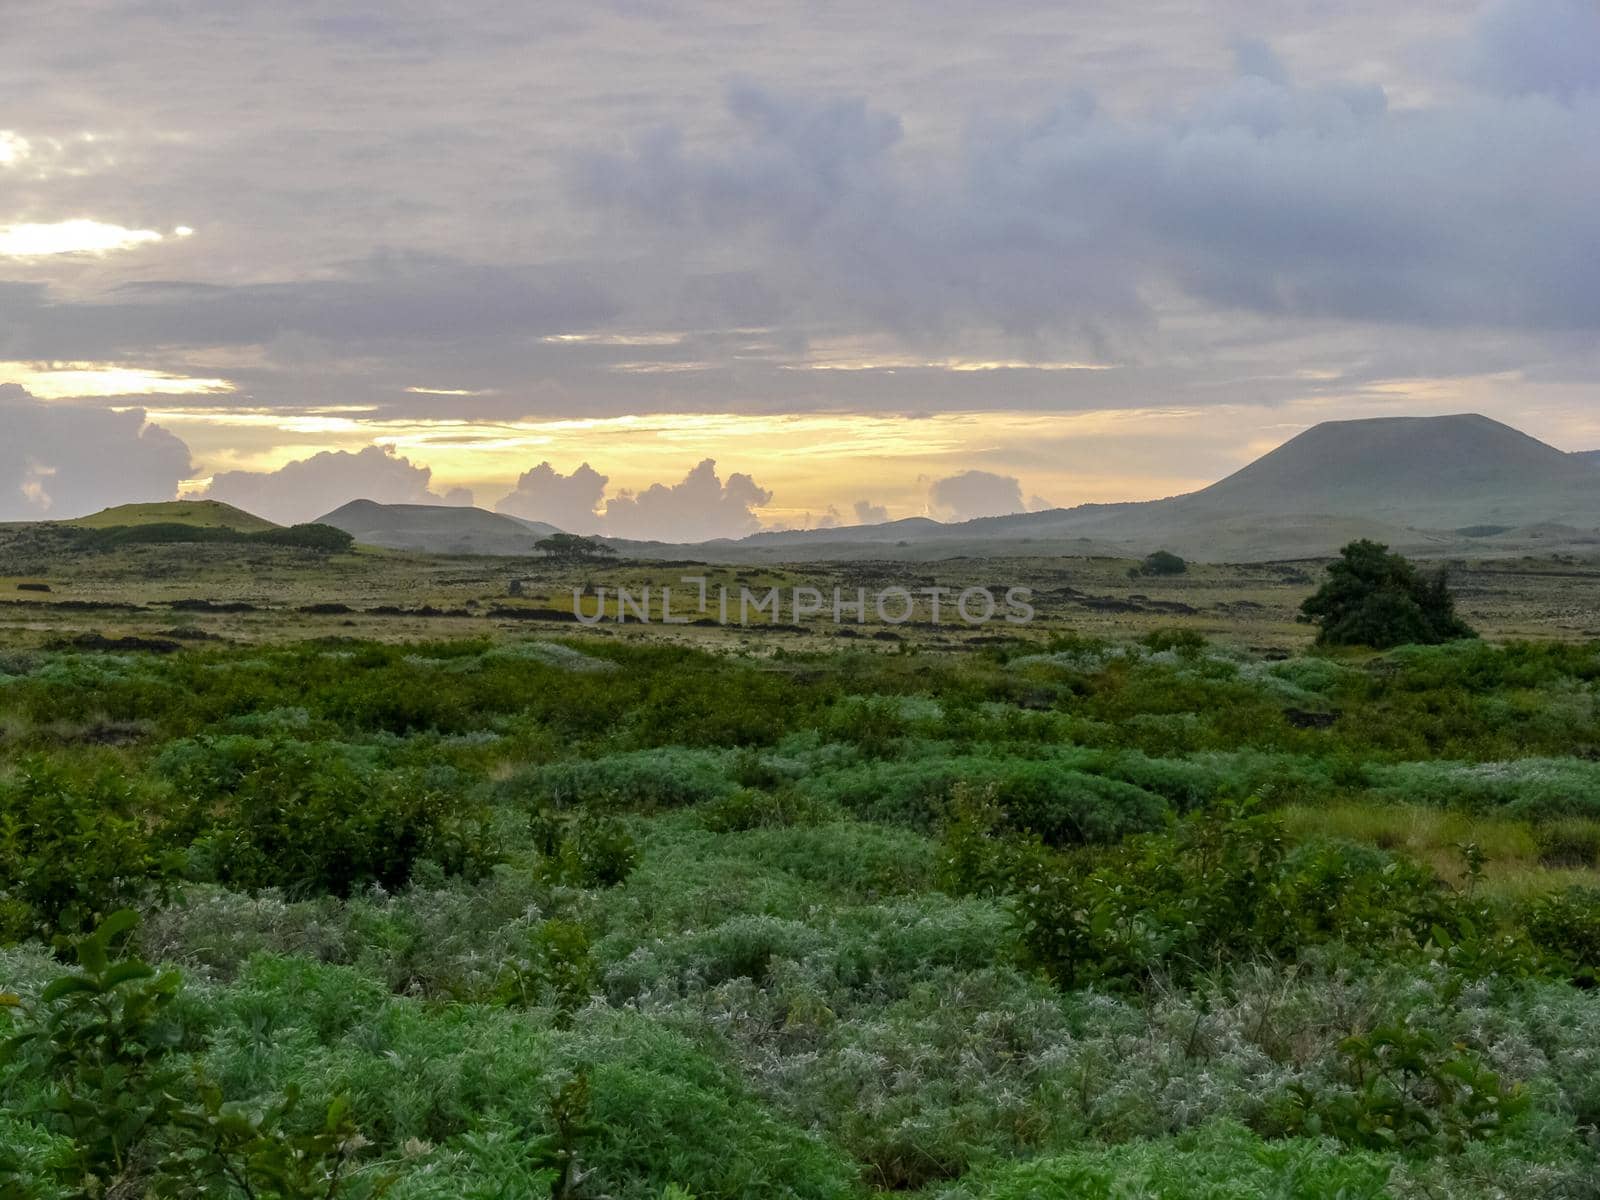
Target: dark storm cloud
{"points": [[849, 237], [1291, 201], [407, 193], [409, 300], [62, 460]]}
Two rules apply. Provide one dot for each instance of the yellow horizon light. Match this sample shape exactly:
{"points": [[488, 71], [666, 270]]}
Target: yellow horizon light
{"points": [[68, 381], [945, 364], [612, 339], [77, 236]]}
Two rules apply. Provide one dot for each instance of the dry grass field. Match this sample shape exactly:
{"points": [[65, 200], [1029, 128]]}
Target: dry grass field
{"points": [[262, 593]]}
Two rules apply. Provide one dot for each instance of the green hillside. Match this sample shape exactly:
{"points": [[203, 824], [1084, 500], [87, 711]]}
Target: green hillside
{"points": [[208, 514]]}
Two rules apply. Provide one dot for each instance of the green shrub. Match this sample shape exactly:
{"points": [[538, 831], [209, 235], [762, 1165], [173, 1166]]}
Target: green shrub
{"points": [[75, 845], [1221, 1162], [1060, 803], [643, 780], [1406, 1088], [557, 969], [1543, 790], [1221, 886], [850, 859], [322, 538], [1566, 926], [314, 816], [748, 809], [108, 1041], [106, 1038], [583, 849], [1185, 642], [875, 725], [1374, 598], [1162, 562], [741, 947]]}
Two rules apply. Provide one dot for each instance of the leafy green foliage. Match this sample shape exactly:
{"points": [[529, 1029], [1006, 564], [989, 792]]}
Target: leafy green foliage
{"points": [[108, 1039], [583, 849], [1225, 1160], [556, 968], [74, 848], [234, 1149], [1221, 886], [644, 780], [313, 816], [613, 918], [1407, 1089], [749, 808], [1375, 598], [1566, 926], [1055, 800]]}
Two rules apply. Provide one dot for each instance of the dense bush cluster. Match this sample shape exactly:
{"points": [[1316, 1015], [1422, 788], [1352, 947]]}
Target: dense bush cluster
{"points": [[1375, 598], [322, 538], [608, 918], [1218, 887]]}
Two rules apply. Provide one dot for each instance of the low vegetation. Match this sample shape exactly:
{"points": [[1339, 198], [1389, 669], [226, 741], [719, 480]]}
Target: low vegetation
{"points": [[324, 538], [616, 918]]}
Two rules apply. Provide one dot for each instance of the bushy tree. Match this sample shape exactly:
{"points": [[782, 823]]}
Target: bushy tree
{"points": [[1162, 562], [570, 548], [1375, 598], [325, 538]]}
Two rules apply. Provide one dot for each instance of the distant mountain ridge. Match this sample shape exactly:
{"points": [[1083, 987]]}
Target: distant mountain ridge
{"points": [[1459, 484], [1429, 486], [1424, 471], [437, 528]]}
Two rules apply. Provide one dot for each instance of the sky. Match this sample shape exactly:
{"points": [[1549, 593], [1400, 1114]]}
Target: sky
{"points": [[690, 268]]}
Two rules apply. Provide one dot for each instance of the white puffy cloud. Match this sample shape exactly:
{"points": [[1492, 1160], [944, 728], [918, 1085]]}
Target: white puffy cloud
{"points": [[312, 487], [828, 518], [569, 502], [868, 513], [975, 494], [64, 460], [697, 509]]}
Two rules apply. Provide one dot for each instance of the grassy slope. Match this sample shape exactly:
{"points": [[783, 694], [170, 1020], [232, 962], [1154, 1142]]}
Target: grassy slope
{"points": [[207, 514]]}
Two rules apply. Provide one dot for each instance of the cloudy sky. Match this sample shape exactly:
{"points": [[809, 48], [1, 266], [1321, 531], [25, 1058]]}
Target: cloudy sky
{"points": [[683, 267]]}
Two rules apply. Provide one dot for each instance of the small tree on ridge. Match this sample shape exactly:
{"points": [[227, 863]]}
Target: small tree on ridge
{"points": [[570, 548]]}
